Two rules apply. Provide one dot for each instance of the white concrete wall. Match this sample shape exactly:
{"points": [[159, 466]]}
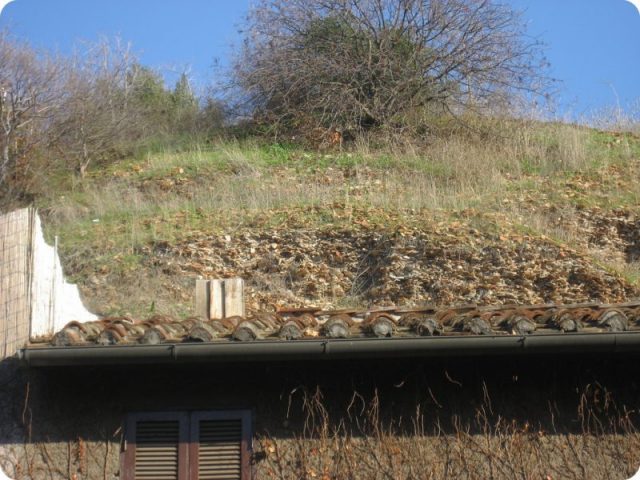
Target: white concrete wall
{"points": [[55, 302]]}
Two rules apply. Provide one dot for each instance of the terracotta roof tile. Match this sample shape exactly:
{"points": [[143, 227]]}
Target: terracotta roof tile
{"points": [[293, 325]]}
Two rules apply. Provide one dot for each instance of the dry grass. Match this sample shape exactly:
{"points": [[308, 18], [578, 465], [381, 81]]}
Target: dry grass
{"points": [[454, 172], [511, 171], [361, 445]]}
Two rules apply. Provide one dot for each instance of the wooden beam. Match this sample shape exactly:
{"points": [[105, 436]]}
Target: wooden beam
{"points": [[202, 299], [219, 298], [216, 299], [234, 297]]}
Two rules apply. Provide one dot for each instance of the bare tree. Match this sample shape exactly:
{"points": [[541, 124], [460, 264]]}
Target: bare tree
{"points": [[113, 105], [96, 119], [69, 113], [30, 95], [357, 64]]}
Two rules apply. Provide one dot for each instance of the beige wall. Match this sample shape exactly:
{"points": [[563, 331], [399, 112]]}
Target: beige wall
{"points": [[15, 286]]}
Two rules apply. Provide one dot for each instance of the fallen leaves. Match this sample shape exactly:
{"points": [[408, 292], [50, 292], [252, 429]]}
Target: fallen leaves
{"points": [[448, 264]]}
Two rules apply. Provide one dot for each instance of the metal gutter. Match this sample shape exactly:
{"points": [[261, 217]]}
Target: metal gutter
{"points": [[272, 350]]}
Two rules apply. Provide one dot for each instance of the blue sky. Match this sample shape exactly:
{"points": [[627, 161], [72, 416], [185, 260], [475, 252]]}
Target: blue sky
{"points": [[593, 45]]}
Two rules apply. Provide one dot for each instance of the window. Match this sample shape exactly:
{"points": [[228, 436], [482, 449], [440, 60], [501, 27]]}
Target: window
{"points": [[208, 445]]}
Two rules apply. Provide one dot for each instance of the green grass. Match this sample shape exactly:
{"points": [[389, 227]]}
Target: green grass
{"points": [[106, 221], [450, 174]]}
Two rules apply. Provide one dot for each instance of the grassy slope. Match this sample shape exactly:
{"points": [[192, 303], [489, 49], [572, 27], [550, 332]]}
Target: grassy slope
{"points": [[407, 226]]}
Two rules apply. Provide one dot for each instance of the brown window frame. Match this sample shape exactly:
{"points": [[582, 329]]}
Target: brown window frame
{"points": [[188, 439]]}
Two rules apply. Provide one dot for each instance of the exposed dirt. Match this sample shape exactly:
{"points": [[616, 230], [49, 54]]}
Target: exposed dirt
{"points": [[614, 235], [437, 264]]}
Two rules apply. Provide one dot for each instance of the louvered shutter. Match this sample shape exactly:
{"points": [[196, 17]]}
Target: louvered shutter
{"points": [[157, 447], [220, 445]]}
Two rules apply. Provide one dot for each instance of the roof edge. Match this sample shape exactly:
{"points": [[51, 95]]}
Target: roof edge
{"points": [[327, 349]]}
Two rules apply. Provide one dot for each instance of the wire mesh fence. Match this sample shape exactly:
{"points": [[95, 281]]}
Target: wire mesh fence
{"points": [[16, 249]]}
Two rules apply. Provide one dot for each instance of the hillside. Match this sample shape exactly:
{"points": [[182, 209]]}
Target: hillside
{"points": [[541, 213]]}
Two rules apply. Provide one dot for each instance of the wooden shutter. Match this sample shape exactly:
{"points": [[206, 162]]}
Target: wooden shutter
{"points": [[220, 445], [156, 447]]}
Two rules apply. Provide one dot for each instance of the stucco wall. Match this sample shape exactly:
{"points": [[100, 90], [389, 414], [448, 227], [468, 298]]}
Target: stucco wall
{"points": [[476, 418], [55, 302], [35, 298]]}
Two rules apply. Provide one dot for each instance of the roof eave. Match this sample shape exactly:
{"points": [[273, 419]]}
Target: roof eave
{"points": [[266, 350]]}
